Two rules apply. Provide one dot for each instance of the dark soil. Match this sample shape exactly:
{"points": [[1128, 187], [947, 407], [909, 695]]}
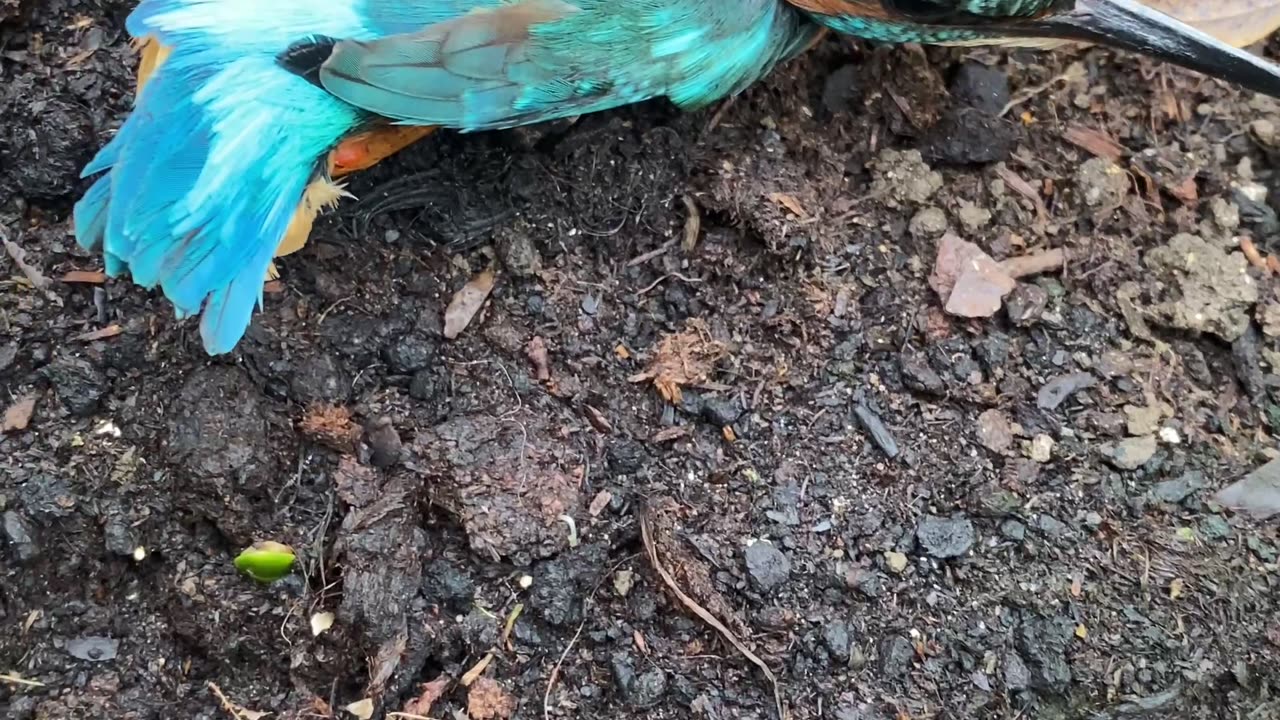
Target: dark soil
{"points": [[851, 489]]}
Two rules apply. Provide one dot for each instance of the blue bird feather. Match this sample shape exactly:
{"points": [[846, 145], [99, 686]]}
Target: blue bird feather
{"points": [[201, 182]]}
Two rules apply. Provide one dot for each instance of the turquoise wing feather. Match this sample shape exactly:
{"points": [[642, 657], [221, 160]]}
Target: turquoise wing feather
{"points": [[536, 60]]}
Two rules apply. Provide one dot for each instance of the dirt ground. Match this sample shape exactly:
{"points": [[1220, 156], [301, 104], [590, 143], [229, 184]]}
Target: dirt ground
{"points": [[712, 348]]}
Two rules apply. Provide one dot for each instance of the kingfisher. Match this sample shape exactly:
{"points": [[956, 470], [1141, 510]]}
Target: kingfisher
{"points": [[247, 112]]}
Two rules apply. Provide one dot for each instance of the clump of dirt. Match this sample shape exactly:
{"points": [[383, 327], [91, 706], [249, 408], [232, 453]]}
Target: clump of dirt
{"points": [[899, 511]]}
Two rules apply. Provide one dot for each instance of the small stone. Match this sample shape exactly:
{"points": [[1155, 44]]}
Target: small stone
{"points": [[1025, 306], [623, 581], [721, 411], [80, 384], [423, 386], [639, 691], [409, 354], [1040, 449], [1264, 130], [519, 255], [917, 375], [1057, 390], [767, 566], [973, 218], [929, 223], [18, 532], [1170, 436], [1102, 183], [836, 637], [1133, 453], [1143, 420], [896, 562], [384, 443], [1226, 214], [1214, 527], [1050, 526], [1016, 674], [904, 177], [896, 654], [945, 537], [1092, 520], [1013, 530], [995, 431], [994, 501], [1179, 489]]}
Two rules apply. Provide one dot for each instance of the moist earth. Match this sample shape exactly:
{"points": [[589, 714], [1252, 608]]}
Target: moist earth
{"points": [[712, 394]]}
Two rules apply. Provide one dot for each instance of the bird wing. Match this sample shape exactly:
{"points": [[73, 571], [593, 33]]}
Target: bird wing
{"points": [[535, 60]]}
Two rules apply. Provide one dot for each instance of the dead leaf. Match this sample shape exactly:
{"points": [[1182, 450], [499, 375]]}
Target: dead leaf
{"points": [[685, 358], [791, 203], [1237, 22], [332, 427], [430, 693], [1175, 588], [466, 303], [487, 700], [18, 416]]}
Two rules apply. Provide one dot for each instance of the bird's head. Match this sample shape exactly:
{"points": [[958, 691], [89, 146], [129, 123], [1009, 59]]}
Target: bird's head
{"points": [[1125, 24]]}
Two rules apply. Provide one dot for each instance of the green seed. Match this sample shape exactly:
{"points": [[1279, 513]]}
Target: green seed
{"points": [[266, 561]]}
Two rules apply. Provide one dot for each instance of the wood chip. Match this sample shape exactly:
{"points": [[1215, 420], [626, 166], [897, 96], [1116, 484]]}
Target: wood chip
{"points": [[1095, 142], [466, 303], [85, 277], [109, 331], [429, 693], [536, 351], [18, 416]]}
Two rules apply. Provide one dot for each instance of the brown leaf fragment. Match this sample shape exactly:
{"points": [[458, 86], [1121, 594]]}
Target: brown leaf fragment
{"points": [[487, 700], [536, 351], [18, 416], [332, 427], [429, 693], [1095, 142], [466, 303], [685, 358], [791, 203]]}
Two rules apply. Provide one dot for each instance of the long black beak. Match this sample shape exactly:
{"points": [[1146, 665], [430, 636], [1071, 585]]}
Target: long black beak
{"points": [[1129, 25]]}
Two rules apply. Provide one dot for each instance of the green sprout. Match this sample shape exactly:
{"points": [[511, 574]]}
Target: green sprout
{"points": [[266, 561]]}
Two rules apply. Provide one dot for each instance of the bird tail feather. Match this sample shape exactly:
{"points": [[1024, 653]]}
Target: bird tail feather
{"points": [[202, 181]]}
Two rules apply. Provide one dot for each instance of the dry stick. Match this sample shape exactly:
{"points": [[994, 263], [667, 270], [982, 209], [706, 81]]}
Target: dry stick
{"points": [[34, 276], [646, 533], [1025, 265]]}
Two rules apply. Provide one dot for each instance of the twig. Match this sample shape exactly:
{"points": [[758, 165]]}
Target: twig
{"points": [[555, 671], [11, 678], [34, 276], [646, 534], [1019, 267]]}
